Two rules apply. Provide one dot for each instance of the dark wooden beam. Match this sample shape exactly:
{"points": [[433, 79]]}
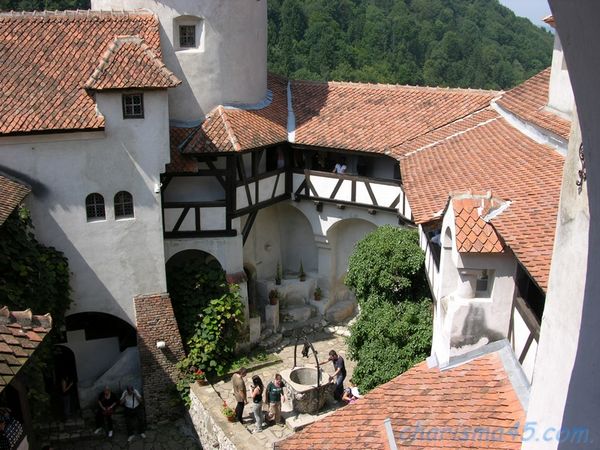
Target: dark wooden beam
{"points": [[248, 226], [216, 172], [256, 207], [181, 219], [200, 234], [370, 191], [207, 204]]}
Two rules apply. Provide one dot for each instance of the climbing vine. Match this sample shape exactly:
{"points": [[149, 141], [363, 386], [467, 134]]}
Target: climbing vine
{"points": [[211, 347], [37, 277], [193, 283]]}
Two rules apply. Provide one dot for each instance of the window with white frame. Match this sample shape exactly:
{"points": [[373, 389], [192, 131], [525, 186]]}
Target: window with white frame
{"points": [[188, 33], [133, 106], [123, 205], [94, 207]]}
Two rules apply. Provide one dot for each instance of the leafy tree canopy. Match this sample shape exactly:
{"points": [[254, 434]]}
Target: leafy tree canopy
{"points": [[457, 43], [393, 330]]}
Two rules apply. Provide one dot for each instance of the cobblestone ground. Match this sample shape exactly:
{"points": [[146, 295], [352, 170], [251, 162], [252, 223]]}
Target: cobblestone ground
{"points": [[181, 436], [171, 436]]}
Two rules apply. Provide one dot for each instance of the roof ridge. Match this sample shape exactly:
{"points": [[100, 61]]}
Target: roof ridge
{"points": [[74, 13], [388, 86], [115, 45], [229, 129], [458, 133]]}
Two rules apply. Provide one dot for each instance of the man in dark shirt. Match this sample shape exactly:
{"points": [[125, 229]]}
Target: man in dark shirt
{"points": [[339, 374], [107, 402]]}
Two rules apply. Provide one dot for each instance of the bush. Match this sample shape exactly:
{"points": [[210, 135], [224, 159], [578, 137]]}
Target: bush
{"points": [[389, 339], [388, 263], [394, 329], [212, 345]]}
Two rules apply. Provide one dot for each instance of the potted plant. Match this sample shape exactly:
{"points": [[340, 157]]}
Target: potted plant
{"points": [[228, 412], [273, 296], [302, 275], [278, 275], [200, 377], [318, 293]]}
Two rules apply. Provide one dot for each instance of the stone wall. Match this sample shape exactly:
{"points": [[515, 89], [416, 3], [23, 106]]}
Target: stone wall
{"points": [[213, 429], [156, 322]]}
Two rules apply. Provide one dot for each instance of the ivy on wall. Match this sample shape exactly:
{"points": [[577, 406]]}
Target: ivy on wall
{"points": [[37, 277]]}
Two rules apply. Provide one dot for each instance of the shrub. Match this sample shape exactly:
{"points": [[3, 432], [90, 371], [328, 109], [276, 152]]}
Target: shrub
{"points": [[388, 262], [394, 328]]}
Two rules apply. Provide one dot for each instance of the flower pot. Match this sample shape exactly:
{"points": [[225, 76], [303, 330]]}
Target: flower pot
{"points": [[230, 418], [202, 382], [272, 301]]}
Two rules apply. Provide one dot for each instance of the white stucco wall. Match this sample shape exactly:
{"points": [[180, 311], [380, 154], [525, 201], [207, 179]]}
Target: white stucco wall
{"points": [[462, 323], [230, 63], [111, 260], [560, 95]]}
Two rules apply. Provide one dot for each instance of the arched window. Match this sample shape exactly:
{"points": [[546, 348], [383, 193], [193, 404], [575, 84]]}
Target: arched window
{"points": [[123, 205], [94, 207]]}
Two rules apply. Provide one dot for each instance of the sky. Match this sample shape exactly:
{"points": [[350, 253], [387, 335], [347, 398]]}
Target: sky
{"points": [[534, 10]]}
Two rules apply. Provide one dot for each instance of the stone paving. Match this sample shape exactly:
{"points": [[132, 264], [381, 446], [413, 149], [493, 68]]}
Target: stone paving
{"points": [[323, 342], [181, 435]]}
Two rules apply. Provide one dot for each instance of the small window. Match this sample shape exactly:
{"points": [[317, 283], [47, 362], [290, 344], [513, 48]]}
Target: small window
{"points": [[133, 106], [123, 205], [94, 207], [187, 36], [483, 286]]}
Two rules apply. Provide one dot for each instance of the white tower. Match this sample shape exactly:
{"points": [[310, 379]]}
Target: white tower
{"points": [[217, 47]]}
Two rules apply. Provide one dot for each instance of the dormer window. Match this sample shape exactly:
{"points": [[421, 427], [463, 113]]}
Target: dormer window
{"points": [[133, 106], [187, 36]]}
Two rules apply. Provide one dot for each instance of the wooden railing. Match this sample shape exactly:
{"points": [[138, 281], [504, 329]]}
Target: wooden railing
{"points": [[351, 190]]}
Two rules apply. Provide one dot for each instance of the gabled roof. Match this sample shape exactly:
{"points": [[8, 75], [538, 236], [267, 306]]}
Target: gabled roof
{"points": [[129, 63], [20, 334], [12, 194], [46, 59], [375, 117], [349, 116], [234, 129], [473, 233], [529, 101], [492, 156], [473, 405]]}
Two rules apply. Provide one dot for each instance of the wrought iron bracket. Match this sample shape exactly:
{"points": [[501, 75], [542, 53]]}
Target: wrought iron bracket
{"points": [[582, 173]]}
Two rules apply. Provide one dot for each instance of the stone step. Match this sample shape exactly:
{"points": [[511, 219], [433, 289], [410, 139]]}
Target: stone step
{"points": [[305, 327], [271, 342]]}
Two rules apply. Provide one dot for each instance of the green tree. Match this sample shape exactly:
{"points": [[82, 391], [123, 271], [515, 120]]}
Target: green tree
{"points": [[394, 328]]}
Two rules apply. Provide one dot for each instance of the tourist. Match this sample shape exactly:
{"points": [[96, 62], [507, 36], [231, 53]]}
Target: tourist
{"points": [[132, 400], [340, 167], [257, 399], [351, 393], [107, 402], [66, 390], [339, 375], [239, 391], [274, 395]]}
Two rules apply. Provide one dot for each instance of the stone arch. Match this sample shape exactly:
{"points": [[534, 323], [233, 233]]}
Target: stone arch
{"points": [[342, 237], [297, 240], [253, 303], [105, 351]]}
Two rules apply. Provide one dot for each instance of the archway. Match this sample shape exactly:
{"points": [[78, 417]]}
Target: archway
{"points": [[342, 237], [65, 368], [104, 348], [194, 277], [297, 240]]}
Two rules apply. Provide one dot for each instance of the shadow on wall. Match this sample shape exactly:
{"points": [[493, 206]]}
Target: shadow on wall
{"points": [[475, 329]]}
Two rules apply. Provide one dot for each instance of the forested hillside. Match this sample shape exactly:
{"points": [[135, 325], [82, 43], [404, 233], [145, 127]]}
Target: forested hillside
{"points": [[467, 43]]}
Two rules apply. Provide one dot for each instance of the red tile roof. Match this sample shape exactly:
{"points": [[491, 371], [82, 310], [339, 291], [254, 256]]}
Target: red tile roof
{"points": [[493, 156], [129, 63], [473, 234], [529, 102], [46, 58], [372, 117], [20, 334], [229, 129], [12, 194], [475, 396]]}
